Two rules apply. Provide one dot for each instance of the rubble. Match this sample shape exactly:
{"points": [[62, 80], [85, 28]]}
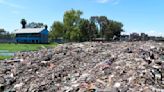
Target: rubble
{"points": [[86, 67]]}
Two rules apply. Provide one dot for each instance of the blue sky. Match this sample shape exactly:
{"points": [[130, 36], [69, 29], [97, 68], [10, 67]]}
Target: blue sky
{"points": [[136, 15]]}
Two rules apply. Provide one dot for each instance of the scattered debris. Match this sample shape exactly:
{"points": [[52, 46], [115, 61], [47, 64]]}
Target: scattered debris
{"points": [[86, 67]]}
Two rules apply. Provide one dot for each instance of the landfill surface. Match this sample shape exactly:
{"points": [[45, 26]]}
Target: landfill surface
{"points": [[87, 67]]}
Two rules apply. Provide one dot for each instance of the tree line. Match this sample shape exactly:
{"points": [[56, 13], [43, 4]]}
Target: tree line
{"points": [[5, 34], [24, 24], [75, 28]]}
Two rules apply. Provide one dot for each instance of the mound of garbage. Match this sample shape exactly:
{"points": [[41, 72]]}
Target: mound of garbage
{"points": [[86, 67]]}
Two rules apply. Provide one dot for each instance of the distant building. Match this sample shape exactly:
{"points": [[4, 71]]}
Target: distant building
{"points": [[144, 37], [135, 37], [31, 35], [124, 38], [154, 38]]}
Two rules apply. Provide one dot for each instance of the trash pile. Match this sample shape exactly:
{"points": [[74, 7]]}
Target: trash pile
{"points": [[86, 67]]}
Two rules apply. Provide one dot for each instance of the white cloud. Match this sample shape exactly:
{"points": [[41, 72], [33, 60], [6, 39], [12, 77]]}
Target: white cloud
{"points": [[12, 5], [114, 2], [15, 12], [154, 33], [150, 33], [103, 1], [1, 1]]}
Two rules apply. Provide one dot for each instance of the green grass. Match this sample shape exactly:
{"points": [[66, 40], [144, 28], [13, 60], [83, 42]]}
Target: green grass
{"points": [[5, 57], [22, 47]]}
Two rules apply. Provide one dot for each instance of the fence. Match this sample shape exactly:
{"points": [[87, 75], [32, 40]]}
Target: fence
{"points": [[7, 40]]}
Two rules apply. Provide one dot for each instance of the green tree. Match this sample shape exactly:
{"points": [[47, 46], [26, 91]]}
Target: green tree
{"points": [[88, 30], [4, 34], [93, 31], [2, 31], [35, 25], [71, 24], [114, 28], [85, 29], [102, 22], [74, 28], [23, 22], [107, 28], [57, 30]]}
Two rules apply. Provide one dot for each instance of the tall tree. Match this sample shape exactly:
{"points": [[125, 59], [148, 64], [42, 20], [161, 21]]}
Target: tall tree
{"points": [[93, 32], [57, 30], [2, 31], [74, 28], [4, 34], [71, 23], [107, 28], [114, 28], [103, 22], [23, 22], [85, 29]]}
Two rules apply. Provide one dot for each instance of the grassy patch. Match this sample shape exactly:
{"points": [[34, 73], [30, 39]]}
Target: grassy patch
{"points": [[5, 57], [24, 47]]}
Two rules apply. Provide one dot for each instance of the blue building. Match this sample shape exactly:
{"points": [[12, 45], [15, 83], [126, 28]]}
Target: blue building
{"points": [[32, 35]]}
